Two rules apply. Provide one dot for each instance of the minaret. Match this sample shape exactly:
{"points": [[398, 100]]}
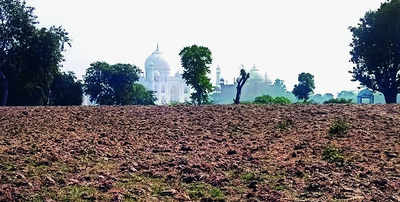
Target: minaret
{"points": [[217, 82]]}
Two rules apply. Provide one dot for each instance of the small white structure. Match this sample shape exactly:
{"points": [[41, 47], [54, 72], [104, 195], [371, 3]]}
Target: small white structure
{"points": [[366, 94], [167, 89]]}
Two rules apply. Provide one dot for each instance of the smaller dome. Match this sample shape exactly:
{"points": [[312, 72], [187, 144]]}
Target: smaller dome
{"points": [[366, 93], [254, 74]]}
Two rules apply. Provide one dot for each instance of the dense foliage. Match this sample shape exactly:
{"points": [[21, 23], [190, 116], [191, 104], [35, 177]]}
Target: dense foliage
{"points": [[29, 57], [195, 61], [115, 85], [141, 96], [347, 95], [375, 50], [111, 84], [66, 90], [305, 87], [267, 99], [319, 98]]}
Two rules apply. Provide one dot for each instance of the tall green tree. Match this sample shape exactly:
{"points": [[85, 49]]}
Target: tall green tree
{"points": [[29, 57], [305, 87], [111, 84], [66, 90], [16, 23], [375, 50], [141, 96], [195, 61], [33, 67]]}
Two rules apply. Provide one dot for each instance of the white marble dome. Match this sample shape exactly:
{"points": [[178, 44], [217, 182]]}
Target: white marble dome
{"points": [[157, 62], [167, 88]]}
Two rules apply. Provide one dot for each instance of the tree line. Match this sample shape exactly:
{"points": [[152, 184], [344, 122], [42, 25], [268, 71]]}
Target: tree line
{"points": [[31, 57], [375, 54], [30, 61]]}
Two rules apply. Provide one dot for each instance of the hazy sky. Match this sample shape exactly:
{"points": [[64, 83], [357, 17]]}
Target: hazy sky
{"points": [[282, 38]]}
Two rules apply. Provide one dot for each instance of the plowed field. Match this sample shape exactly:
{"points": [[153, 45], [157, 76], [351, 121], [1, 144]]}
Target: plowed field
{"points": [[184, 153]]}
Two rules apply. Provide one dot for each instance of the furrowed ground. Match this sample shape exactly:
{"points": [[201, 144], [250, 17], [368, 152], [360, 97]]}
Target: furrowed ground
{"points": [[245, 152]]}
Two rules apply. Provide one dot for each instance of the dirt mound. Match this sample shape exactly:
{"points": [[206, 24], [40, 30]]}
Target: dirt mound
{"points": [[246, 152]]}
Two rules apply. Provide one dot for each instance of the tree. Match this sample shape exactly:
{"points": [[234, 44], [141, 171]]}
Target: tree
{"points": [[264, 99], [111, 84], [317, 98], [305, 87], [240, 83], [195, 61], [328, 96], [16, 22], [279, 84], [29, 57], [66, 90], [346, 94], [33, 67], [375, 50], [267, 99], [141, 96]]}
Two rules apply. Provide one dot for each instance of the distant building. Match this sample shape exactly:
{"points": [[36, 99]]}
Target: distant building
{"points": [[365, 94], [257, 85], [168, 89]]}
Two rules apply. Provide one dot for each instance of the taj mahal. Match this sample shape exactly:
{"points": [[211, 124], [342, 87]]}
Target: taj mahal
{"points": [[168, 89]]}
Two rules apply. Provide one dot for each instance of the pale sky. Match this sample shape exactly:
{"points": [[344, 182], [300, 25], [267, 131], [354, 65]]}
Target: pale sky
{"points": [[282, 38]]}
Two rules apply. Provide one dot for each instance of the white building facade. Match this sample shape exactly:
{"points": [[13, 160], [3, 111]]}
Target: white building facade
{"points": [[168, 89]]}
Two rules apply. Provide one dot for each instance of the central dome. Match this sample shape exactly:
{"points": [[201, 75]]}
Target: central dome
{"points": [[254, 74], [157, 62]]}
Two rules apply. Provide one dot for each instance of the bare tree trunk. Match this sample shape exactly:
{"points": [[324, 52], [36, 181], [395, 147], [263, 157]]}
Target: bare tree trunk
{"points": [[238, 92], [240, 83], [3, 89], [390, 97]]}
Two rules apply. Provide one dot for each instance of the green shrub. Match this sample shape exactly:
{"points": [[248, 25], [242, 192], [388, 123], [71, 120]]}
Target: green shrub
{"points": [[174, 103], [332, 155], [339, 101], [216, 193], [200, 190], [339, 128], [266, 99], [285, 124], [186, 103], [281, 100], [248, 176]]}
